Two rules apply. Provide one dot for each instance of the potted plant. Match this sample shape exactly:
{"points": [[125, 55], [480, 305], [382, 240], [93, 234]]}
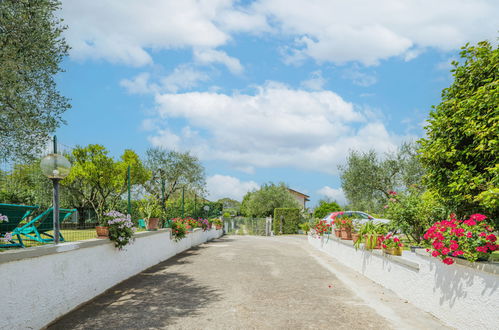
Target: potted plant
{"points": [[371, 235], [178, 228], [150, 210], [392, 245], [471, 239], [217, 222], [120, 228], [346, 226], [322, 227], [102, 229]]}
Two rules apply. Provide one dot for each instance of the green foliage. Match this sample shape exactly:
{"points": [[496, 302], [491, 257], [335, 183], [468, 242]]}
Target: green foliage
{"points": [[367, 178], [172, 170], [461, 147], [289, 218], [414, 211], [369, 234], [324, 208], [231, 206], [261, 203], [31, 50], [96, 179], [149, 208], [305, 227]]}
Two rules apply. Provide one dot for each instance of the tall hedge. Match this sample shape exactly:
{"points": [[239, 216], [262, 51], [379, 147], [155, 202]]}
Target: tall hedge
{"points": [[290, 220]]}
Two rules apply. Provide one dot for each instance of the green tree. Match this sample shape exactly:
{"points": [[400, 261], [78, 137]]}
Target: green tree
{"points": [[172, 170], [324, 208], [367, 178], [270, 196], [231, 206], [98, 181], [461, 147], [31, 50]]}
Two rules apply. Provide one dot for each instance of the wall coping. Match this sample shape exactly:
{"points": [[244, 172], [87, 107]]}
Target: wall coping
{"points": [[484, 266], [487, 267], [43, 250], [379, 253]]}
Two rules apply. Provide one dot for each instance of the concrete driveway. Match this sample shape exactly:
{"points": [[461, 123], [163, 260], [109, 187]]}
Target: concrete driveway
{"points": [[248, 282]]}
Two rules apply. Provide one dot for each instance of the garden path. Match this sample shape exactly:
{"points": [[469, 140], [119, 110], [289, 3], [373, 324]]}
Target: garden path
{"points": [[248, 282]]}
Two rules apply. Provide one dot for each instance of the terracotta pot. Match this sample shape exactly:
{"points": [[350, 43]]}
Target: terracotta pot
{"points": [[102, 231], [355, 236], [218, 227], [396, 251], [153, 224], [337, 233], [346, 234]]}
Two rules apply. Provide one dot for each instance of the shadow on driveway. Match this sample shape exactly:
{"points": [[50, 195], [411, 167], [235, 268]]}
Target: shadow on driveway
{"points": [[155, 298]]}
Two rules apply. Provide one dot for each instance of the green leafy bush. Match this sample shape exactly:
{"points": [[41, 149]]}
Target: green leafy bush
{"points": [[289, 218]]}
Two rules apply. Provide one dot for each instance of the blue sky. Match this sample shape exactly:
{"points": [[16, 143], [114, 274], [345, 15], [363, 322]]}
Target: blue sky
{"points": [[260, 91]]}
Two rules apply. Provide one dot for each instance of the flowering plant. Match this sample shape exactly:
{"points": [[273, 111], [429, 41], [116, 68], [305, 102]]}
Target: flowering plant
{"points": [[3, 218], [179, 228], [322, 227], [121, 228], [471, 238], [204, 224], [191, 223], [390, 242], [217, 222], [344, 223], [7, 236]]}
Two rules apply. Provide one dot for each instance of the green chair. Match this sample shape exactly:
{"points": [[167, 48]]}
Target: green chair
{"points": [[42, 224], [141, 223], [15, 214]]}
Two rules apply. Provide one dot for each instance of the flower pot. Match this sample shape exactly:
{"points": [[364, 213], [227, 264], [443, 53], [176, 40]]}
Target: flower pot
{"points": [[153, 224], [355, 236], [337, 233], [218, 227], [102, 231], [346, 234], [414, 247], [396, 251]]}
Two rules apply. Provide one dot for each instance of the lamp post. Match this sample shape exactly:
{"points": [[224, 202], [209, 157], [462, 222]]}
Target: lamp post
{"points": [[56, 168]]}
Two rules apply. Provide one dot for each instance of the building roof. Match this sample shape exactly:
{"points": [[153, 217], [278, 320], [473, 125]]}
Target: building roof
{"points": [[299, 193]]}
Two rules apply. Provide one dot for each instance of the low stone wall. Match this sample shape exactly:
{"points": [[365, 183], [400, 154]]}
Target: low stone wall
{"points": [[40, 284], [464, 295]]}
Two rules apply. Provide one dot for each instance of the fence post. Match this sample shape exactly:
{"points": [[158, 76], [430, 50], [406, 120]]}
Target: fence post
{"points": [[280, 225]]}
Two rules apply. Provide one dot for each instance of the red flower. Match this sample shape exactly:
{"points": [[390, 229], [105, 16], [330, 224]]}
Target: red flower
{"points": [[396, 239], [458, 253], [448, 261], [435, 253], [445, 251], [492, 238], [453, 245], [469, 234], [483, 234]]}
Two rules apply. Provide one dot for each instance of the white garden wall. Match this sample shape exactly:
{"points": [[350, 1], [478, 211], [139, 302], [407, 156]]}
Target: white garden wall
{"points": [[464, 295], [40, 284]]}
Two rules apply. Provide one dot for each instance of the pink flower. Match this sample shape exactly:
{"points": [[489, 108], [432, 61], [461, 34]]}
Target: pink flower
{"points": [[483, 234], [458, 253], [492, 247], [392, 193], [396, 239], [481, 249], [438, 245], [435, 253], [470, 222], [445, 250], [448, 261], [478, 217], [453, 245], [469, 234]]}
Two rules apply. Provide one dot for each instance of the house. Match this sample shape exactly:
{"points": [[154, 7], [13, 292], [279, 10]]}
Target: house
{"points": [[301, 198]]}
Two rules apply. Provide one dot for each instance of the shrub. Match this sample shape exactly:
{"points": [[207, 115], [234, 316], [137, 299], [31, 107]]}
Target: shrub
{"points": [[322, 227], [179, 228], [290, 219]]}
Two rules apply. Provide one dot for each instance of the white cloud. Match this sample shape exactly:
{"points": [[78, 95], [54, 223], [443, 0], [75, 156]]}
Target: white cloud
{"points": [[221, 186], [210, 56], [334, 194], [316, 81], [183, 77], [277, 126], [359, 78], [338, 31], [369, 31]]}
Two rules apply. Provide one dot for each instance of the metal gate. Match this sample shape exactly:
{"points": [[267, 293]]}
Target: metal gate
{"points": [[248, 226]]}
